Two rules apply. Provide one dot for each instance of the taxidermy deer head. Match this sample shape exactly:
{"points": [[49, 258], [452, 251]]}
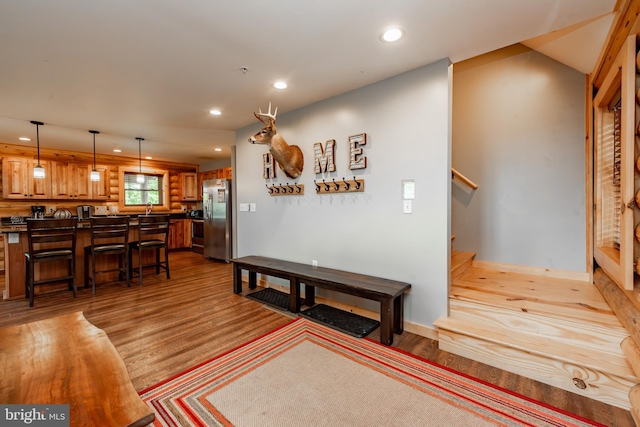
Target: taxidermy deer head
{"points": [[289, 157]]}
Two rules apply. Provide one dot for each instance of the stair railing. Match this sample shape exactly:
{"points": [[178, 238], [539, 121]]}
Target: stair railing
{"points": [[455, 173]]}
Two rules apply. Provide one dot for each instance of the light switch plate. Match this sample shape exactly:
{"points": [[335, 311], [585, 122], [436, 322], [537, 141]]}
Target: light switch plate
{"points": [[244, 207], [252, 207], [406, 206]]}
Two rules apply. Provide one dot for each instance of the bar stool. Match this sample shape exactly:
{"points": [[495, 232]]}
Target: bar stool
{"points": [[109, 236], [153, 234], [50, 240]]}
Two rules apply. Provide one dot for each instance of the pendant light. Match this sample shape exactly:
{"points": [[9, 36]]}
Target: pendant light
{"points": [[38, 171], [140, 177], [95, 175]]}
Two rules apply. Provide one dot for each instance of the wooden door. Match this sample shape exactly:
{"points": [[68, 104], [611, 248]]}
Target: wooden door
{"points": [[14, 178]]}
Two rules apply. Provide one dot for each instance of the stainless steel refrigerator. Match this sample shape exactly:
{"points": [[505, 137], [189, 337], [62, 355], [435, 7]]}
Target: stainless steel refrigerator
{"points": [[216, 206]]}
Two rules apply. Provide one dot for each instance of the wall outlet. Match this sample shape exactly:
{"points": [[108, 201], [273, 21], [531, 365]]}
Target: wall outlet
{"points": [[314, 262], [50, 210]]}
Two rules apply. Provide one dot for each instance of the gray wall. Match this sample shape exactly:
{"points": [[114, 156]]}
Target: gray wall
{"points": [[519, 132], [407, 121]]}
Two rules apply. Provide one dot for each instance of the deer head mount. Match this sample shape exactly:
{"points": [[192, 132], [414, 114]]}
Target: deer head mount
{"points": [[289, 157]]}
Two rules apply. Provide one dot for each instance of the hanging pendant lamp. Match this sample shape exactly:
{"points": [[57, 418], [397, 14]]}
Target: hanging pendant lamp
{"points": [[95, 175], [38, 171], [140, 176]]}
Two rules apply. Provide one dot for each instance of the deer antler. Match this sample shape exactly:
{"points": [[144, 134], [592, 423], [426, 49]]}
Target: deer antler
{"points": [[271, 117]]}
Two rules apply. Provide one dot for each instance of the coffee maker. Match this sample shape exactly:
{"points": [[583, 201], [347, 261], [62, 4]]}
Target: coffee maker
{"points": [[37, 212], [85, 212]]}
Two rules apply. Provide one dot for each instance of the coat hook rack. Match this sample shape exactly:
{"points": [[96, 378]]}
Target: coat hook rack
{"points": [[344, 186], [286, 189]]}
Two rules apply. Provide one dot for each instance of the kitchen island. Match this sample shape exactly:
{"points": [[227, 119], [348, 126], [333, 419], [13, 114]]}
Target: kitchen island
{"points": [[16, 244]]}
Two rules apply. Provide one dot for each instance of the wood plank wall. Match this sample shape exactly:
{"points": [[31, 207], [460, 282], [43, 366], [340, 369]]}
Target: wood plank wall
{"points": [[9, 207]]}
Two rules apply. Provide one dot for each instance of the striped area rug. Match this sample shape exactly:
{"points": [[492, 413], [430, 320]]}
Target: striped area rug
{"points": [[306, 374]]}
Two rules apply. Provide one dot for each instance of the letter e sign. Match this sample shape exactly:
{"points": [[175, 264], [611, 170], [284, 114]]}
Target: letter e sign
{"points": [[356, 158]]}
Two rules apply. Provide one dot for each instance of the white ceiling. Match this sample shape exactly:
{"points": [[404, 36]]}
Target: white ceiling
{"points": [[154, 68]]}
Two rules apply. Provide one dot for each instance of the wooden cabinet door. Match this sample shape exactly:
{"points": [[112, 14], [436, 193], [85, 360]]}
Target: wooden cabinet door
{"points": [[189, 190], [39, 188], [101, 190], [14, 178], [62, 181], [81, 181]]}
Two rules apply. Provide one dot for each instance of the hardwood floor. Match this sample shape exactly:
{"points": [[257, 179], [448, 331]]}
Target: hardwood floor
{"points": [[167, 326]]}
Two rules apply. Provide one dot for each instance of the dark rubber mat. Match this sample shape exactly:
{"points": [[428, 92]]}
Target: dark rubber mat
{"points": [[349, 323], [271, 297]]}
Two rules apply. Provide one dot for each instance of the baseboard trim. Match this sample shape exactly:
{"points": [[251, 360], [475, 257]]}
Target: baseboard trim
{"points": [[537, 271]]}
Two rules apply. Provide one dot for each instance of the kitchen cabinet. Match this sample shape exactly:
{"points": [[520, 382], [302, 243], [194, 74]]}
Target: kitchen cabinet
{"points": [[73, 181], [179, 234], [225, 173], [189, 186], [18, 181], [69, 181]]}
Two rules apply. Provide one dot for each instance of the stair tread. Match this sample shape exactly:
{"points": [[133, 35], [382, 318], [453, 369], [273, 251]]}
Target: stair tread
{"points": [[559, 298], [541, 345]]}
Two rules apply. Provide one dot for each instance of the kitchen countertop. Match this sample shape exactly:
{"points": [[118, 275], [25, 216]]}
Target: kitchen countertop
{"points": [[7, 227]]}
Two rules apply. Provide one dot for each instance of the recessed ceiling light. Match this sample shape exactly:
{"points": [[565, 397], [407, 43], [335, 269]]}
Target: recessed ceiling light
{"points": [[217, 149], [215, 112], [24, 138], [117, 149], [149, 158], [392, 34], [280, 85]]}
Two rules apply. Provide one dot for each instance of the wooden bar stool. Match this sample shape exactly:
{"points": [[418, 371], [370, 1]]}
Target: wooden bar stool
{"points": [[153, 234], [109, 236], [50, 240]]}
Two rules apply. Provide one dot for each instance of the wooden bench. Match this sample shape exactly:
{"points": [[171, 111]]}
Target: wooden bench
{"points": [[389, 293], [67, 360]]}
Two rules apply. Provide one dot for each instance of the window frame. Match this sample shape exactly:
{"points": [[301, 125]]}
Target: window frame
{"points": [[163, 206]]}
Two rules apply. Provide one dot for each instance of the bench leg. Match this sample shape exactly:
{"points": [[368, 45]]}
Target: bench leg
{"points": [[309, 295], [386, 318], [237, 279], [253, 279], [398, 314], [294, 294]]}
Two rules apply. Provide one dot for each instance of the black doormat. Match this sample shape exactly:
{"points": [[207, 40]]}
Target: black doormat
{"points": [[349, 323], [271, 297]]}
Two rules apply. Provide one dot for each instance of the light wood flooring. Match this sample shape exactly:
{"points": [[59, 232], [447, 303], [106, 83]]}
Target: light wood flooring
{"points": [[167, 326]]}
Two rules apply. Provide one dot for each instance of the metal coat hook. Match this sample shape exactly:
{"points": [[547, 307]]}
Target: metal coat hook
{"points": [[269, 188], [298, 187], [346, 184], [326, 186], [357, 183], [316, 184], [336, 185], [290, 188]]}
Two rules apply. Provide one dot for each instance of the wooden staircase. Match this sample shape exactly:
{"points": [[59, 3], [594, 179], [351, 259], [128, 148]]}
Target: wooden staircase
{"points": [[557, 331]]}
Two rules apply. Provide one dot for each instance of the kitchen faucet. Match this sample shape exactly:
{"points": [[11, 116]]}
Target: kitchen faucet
{"points": [[148, 208]]}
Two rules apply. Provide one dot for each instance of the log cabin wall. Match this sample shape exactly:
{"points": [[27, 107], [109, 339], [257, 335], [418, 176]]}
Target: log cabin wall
{"points": [[619, 281], [10, 207]]}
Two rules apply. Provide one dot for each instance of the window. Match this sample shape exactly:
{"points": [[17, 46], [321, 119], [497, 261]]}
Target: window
{"points": [[136, 193]]}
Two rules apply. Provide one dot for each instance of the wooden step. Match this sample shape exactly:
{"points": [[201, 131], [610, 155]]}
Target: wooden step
{"points": [[460, 262], [587, 344], [557, 331]]}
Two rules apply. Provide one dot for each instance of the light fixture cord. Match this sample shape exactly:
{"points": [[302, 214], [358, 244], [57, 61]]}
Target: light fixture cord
{"points": [[38, 140], [94, 151], [139, 156]]}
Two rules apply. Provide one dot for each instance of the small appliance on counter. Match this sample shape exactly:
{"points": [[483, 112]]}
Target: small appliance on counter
{"points": [[99, 210], [37, 212], [196, 214], [85, 212]]}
